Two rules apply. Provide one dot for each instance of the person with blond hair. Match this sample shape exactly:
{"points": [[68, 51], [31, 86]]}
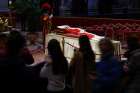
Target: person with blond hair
{"points": [[108, 69]]}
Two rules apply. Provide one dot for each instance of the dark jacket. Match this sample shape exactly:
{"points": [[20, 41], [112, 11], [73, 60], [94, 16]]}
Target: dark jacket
{"points": [[134, 73], [14, 75], [108, 70], [27, 56]]}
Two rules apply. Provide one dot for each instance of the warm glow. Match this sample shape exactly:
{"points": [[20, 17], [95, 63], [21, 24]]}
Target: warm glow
{"points": [[10, 2], [45, 18]]}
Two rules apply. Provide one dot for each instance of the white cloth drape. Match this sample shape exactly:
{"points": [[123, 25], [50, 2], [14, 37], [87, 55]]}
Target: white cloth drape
{"points": [[68, 45]]}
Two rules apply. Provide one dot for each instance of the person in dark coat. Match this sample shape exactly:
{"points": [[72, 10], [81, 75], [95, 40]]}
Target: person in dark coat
{"points": [[108, 69], [17, 47], [134, 73], [15, 76], [133, 44]]}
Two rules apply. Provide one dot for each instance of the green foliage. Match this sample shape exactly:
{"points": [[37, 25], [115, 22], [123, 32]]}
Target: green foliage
{"points": [[30, 9], [26, 6]]}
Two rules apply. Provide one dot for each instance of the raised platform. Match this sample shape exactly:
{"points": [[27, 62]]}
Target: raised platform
{"points": [[69, 43], [118, 29]]}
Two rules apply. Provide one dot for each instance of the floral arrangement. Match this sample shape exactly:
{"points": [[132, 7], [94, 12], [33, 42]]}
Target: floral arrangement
{"points": [[47, 10], [3, 23], [46, 6]]}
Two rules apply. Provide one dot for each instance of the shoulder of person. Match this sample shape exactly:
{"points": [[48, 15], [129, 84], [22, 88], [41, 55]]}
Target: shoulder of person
{"points": [[135, 57], [137, 51], [48, 59], [47, 66]]}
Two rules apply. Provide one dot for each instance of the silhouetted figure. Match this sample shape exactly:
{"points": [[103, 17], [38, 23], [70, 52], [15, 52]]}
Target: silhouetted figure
{"points": [[14, 74], [108, 69], [132, 44], [134, 73], [55, 69], [133, 55], [17, 47], [82, 66]]}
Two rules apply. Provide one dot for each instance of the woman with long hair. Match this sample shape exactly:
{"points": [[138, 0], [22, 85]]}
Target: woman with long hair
{"points": [[82, 66], [55, 69]]}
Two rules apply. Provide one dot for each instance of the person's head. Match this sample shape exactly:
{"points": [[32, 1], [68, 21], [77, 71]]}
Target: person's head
{"points": [[86, 49], [133, 43], [106, 46], [84, 43], [3, 44], [16, 42], [59, 62]]}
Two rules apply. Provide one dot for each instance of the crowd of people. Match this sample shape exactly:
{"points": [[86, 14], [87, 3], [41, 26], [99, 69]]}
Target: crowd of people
{"points": [[56, 75]]}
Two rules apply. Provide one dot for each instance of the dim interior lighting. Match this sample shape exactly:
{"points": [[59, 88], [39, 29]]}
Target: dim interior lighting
{"points": [[10, 2]]}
